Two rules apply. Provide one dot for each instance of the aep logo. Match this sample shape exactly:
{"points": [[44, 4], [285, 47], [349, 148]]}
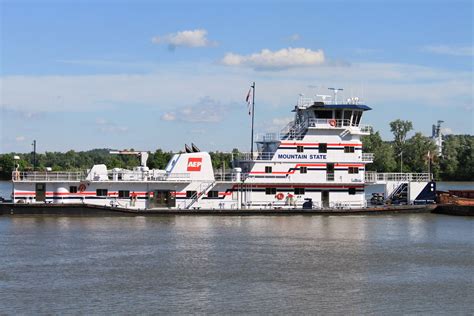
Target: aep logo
{"points": [[194, 164]]}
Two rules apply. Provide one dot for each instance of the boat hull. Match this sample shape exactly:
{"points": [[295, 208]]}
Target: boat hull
{"points": [[11, 209]]}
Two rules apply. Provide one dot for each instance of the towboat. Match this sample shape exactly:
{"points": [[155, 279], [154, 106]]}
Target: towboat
{"points": [[315, 162]]}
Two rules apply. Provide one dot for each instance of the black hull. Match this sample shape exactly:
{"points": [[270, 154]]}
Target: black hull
{"points": [[10, 209]]}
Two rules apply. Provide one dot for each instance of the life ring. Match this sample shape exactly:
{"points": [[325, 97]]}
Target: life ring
{"points": [[82, 187], [280, 196], [332, 123]]}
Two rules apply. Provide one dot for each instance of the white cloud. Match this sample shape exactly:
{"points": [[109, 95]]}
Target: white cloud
{"points": [[282, 121], [20, 138], [294, 37], [366, 51], [450, 50], [207, 110], [110, 127], [276, 60], [169, 116], [176, 85], [447, 131], [190, 38]]}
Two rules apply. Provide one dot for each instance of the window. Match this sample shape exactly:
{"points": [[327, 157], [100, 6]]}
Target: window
{"points": [[270, 191], [352, 191], [299, 191], [349, 149], [213, 194], [330, 172], [123, 194], [323, 114], [303, 169], [101, 192], [323, 148], [299, 149], [72, 189], [353, 170], [191, 194], [268, 169]]}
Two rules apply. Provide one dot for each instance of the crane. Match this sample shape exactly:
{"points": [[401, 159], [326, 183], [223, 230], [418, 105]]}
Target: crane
{"points": [[142, 154]]}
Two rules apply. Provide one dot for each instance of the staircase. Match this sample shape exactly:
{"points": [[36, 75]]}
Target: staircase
{"points": [[400, 194], [203, 188]]}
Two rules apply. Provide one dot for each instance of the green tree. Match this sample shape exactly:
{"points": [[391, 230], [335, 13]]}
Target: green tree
{"points": [[384, 160], [416, 156], [400, 130]]}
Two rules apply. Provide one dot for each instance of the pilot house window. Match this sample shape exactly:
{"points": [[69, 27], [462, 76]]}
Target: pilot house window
{"points": [[349, 149]]}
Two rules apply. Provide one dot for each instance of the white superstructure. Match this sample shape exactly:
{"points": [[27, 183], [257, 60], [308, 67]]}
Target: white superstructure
{"points": [[315, 161]]}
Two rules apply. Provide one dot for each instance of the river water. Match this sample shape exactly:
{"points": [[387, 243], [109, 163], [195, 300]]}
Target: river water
{"points": [[390, 264], [399, 264]]}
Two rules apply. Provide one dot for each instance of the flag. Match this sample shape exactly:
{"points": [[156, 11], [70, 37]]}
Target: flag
{"points": [[248, 100]]}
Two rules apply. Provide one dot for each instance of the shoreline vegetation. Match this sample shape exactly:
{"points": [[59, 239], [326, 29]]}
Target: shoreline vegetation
{"points": [[416, 154]]}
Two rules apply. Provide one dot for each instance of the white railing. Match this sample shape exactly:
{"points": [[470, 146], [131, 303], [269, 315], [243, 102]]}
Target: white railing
{"points": [[172, 177], [347, 204], [374, 177], [364, 128], [47, 176], [267, 137], [368, 157], [254, 156], [35, 176]]}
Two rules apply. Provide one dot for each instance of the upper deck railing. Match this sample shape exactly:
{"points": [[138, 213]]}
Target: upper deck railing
{"points": [[47, 176], [36, 176], [368, 157], [374, 177], [293, 129]]}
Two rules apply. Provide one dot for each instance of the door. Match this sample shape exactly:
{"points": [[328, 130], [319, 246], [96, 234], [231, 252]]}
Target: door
{"points": [[325, 199], [162, 198], [40, 190]]}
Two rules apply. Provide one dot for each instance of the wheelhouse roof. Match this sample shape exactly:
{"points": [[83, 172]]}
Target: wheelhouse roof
{"points": [[321, 105]]}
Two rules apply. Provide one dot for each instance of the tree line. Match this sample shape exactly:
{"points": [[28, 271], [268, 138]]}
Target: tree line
{"points": [[420, 153], [83, 160], [415, 154]]}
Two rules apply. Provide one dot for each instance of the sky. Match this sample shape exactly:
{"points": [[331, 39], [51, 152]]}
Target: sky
{"points": [[78, 75]]}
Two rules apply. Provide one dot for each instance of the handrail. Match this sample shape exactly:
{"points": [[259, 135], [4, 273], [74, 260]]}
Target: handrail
{"points": [[374, 177], [368, 157], [48, 176], [20, 176]]}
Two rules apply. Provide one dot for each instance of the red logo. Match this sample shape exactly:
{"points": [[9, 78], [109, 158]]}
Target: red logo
{"points": [[194, 164]]}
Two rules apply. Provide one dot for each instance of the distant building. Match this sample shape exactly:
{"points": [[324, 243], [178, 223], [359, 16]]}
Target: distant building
{"points": [[437, 136]]}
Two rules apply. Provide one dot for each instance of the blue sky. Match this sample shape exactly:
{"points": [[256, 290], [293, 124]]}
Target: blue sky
{"points": [[150, 74]]}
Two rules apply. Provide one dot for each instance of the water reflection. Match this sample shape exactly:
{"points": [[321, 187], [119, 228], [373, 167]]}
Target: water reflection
{"points": [[185, 264]]}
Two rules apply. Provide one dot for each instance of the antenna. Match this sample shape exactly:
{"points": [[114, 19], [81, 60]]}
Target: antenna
{"points": [[323, 96], [335, 90]]}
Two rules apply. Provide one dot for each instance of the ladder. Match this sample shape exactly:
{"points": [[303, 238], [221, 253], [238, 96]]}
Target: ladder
{"points": [[197, 195]]}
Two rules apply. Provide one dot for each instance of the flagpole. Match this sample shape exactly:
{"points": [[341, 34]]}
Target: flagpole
{"points": [[253, 115]]}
